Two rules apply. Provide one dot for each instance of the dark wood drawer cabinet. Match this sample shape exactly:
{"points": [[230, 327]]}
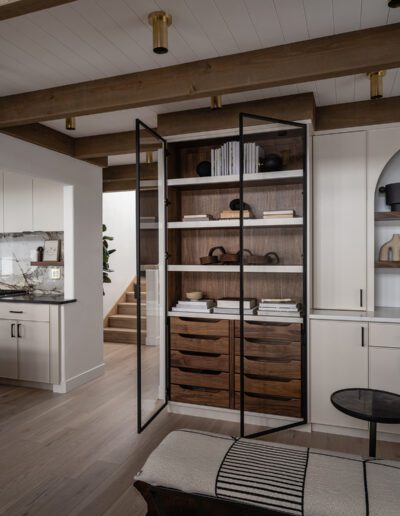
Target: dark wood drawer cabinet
{"points": [[200, 344], [193, 326], [200, 378], [270, 330], [290, 407], [200, 395], [211, 361], [279, 369], [269, 387], [272, 350]]}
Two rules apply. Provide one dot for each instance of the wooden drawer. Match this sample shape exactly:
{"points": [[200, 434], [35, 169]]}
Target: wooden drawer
{"points": [[209, 361], [284, 388], [193, 326], [200, 378], [25, 312], [385, 335], [260, 348], [200, 396], [280, 406], [284, 369], [205, 345], [270, 331]]}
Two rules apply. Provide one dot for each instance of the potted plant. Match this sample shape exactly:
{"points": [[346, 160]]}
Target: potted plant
{"points": [[106, 256]]}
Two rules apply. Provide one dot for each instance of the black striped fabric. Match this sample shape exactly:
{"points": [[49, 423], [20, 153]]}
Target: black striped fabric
{"points": [[265, 475]]}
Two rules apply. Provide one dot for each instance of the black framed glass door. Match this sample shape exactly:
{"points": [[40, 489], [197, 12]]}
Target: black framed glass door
{"points": [[150, 289], [271, 367]]}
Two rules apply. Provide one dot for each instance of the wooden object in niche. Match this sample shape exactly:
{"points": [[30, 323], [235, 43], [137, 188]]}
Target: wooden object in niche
{"points": [[390, 251], [387, 215]]}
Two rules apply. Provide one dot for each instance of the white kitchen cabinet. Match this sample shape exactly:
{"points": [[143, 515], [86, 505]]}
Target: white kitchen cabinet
{"points": [[339, 221], [17, 201], [8, 349], [48, 205], [1, 202], [339, 360], [33, 351]]}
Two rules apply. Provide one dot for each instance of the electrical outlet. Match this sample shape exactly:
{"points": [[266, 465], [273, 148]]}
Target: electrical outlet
{"points": [[55, 273]]}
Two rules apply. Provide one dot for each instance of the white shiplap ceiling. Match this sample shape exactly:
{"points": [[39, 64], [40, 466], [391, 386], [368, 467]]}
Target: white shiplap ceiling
{"points": [[90, 39]]}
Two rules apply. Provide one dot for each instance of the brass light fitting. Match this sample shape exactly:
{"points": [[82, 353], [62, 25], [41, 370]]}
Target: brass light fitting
{"points": [[70, 123], [216, 102], [149, 157], [376, 84], [160, 21]]}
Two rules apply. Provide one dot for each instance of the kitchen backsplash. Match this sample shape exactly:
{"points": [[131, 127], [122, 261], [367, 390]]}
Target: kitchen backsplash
{"points": [[17, 250]]}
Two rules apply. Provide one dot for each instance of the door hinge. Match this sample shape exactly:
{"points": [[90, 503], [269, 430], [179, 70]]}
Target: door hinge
{"points": [[167, 202], [167, 256]]}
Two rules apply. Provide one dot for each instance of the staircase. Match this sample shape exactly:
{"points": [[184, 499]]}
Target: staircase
{"points": [[122, 321]]}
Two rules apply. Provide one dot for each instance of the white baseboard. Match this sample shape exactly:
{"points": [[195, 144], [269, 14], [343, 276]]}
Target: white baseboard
{"points": [[355, 432], [78, 380], [24, 383]]}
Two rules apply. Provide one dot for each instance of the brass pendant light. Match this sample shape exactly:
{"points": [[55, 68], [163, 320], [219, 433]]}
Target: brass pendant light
{"points": [[376, 84], [149, 157], [160, 21], [70, 123], [216, 102]]}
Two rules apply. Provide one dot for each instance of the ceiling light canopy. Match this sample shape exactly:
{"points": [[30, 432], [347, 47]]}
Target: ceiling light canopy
{"points": [[376, 84], [160, 21], [216, 102], [70, 123]]}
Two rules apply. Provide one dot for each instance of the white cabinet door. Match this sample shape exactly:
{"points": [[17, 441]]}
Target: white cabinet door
{"points": [[17, 203], [1, 202], [48, 205], [339, 360], [8, 350], [34, 351], [340, 222]]}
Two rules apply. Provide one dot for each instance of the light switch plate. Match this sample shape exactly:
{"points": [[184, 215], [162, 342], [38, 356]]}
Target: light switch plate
{"points": [[55, 273]]}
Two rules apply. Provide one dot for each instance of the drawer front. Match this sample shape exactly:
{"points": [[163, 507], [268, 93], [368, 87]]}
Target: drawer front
{"points": [[260, 348], [289, 388], [290, 407], [193, 326], [200, 378], [210, 344], [384, 335], [25, 312], [284, 369], [200, 396], [270, 331], [209, 361]]}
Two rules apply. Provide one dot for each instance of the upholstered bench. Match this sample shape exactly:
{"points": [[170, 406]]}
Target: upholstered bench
{"points": [[195, 473]]}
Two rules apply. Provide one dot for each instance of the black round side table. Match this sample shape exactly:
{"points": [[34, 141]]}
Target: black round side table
{"points": [[370, 405]]}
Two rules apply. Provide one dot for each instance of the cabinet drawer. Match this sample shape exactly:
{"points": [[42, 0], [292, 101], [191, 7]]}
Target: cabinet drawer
{"points": [[193, 326], [206, 345], [284, 369], [200, 378], [289, 388], [281, 406], [260, 348], [214, 362], [384, 335], [24, 312], [270, 331], [200, 396]]}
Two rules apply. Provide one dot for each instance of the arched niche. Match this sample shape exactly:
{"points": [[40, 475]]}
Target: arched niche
{"points": [[387, 280]]}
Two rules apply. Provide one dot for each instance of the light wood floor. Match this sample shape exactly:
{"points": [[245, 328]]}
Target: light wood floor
{"points": [[76, 454]]}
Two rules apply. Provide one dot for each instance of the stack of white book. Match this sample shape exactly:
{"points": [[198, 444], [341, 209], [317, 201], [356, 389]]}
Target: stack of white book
{"points": [[231, 305], [225, 161], [279, 307], [196, 218], [279, 214], [202, 305]]}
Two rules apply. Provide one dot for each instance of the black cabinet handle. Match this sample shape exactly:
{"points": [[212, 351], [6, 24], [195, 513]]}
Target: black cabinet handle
{"points": [[16, 312], [362, 336], [18, 330], [12, 331], [361, 297]]}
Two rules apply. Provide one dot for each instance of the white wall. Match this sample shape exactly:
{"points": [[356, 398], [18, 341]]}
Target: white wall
{"points": [[119, 216], [82, 322]]}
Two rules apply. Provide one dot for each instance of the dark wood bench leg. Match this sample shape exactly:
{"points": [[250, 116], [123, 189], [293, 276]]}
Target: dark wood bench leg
{"points": [[144, 490]]}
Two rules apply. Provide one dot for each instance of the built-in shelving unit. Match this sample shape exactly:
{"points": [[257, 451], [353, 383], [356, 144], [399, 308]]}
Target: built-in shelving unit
{"points": [[381, 216], [229, 223], [387, 265], [234, 317], [271, 269]]}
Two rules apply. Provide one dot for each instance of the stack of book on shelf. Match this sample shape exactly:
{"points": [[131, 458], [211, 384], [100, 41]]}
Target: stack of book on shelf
{"points": [[235, 214], [196, 218], [201, 305], [225, 161], [231, 305], [279, 307], [279, 214]]}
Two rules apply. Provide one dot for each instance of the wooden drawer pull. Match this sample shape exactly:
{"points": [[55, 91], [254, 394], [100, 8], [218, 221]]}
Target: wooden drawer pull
{"points": [[260, 323], [199, 354], [268, 360], [202, 389], [196, 319], [194, 337], [199, 371], [269, 377], [268, 397]]}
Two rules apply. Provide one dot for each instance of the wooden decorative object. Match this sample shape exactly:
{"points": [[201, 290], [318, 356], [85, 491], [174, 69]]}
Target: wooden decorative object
{"points": [[211, 258], [391, 250]]}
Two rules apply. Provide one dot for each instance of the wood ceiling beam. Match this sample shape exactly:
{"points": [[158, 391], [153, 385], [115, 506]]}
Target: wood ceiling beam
{"points": [[111, 145], [321, 58], [21, 7], [128, 172]]}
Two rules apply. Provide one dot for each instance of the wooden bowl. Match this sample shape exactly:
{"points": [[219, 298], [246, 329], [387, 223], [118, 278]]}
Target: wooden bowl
{"points": [[194, 296]]}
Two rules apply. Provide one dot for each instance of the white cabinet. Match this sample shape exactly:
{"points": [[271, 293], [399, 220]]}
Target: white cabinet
{"points": [[17, 203], [8, 350], [339, 360], [33, 351], [48, 202], [1, 202], [339, 221]]}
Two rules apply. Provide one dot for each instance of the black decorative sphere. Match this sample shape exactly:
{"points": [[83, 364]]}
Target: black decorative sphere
{"points": [[235, 205], [272, 162], [203, 169]]}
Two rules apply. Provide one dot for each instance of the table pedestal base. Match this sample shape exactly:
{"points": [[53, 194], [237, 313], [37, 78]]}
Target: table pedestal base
{"points": [[372, 439]]}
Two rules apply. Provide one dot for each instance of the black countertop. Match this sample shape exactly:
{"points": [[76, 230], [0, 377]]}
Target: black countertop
{"points": [[39, 299]]}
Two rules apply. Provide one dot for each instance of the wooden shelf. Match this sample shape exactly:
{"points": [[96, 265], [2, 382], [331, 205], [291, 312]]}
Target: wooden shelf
{"points": [[381, 216], [286, 176], [48, 264], [232, 317], [387, 265], [229, 223], [277, 269]]}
